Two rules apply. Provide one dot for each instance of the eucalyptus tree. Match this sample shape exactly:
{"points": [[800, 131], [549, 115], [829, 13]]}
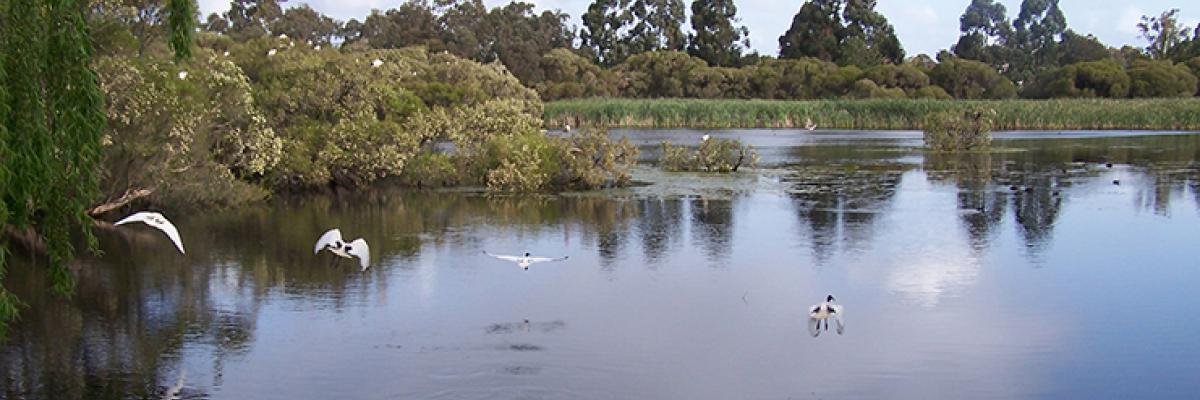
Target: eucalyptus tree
{"points": [[716, 38]]}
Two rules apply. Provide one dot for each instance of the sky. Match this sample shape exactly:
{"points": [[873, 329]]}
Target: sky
{"points": [[924, 26]]}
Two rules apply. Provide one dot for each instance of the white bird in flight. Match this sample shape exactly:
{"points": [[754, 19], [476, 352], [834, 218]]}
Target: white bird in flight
{"points": [[704, 138], [158, 221], [808, 124], [332, 241], [376, 63], [525, 261], [822, 313]]}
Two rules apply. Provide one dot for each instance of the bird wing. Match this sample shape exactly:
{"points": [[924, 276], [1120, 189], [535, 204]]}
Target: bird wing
{"points": [[327, 238], [504, 257], [814, 327], [168, 228], [359, 248], [838, 318], [545, 259], [136, 217]]}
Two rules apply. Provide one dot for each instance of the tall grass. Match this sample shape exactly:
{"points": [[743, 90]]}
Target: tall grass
{"points": [[1149, 114]]}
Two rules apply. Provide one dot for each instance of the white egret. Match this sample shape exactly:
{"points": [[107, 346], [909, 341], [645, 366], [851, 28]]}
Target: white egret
{"points": [[226, 53], [376, 63], [157, 221], [808, 124], [318, 47], [332, 241], [525, 261], [271, 52], [704, 138], [183, 74], [822, 313]]}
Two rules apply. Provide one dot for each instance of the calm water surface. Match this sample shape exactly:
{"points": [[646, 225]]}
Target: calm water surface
{"points": [[1081, 283]]}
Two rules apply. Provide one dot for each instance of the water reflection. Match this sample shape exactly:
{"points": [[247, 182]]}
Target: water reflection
{"points": [[904, 230]]}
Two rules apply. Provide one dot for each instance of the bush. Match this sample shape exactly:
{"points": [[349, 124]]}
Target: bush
{"points": [[1086, 79], [967, 79], [959, 130], [930, 92], [1160, 79], [904, 76], [713, 155]]}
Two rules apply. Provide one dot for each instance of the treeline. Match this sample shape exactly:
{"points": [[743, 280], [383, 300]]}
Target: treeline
{"points": [[833, 49]]}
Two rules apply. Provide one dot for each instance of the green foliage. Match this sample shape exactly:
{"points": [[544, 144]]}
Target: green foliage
{"points": [[569, 75], [1076, 48], [716, 39], [967, 79], [906, 77], [712, 155], [199, 140], [1153, 114], [182, 21], [817, 31], [1086, 79], [1160, 79], [959, 130], [50, 141]]}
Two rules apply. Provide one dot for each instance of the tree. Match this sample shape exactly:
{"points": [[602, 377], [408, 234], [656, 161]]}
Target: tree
{"points": [[873, 29], [815, 32], [1152, 78], [864, 40], [52, 116], [1086, 79], [182, 18], [305, 24], [1076, 48], [1036, 33], [985, 28], [410, 24], [968, 79], [1163, 33], [249, 19], [657, 25], [518, 37], [602, 24], [716, 39]]}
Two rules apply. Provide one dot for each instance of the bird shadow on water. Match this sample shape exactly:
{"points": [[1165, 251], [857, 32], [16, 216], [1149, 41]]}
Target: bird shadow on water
{"points": [[506, 328]]}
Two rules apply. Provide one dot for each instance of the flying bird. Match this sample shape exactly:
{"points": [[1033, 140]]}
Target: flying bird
{"points": [[157, 221], [822, 313], [808, 124], [332, 241], [525, 261], [704, 138]]}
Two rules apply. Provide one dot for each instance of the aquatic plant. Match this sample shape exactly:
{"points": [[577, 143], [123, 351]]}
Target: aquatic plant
{"points": [[954, 130], [712, 155], [1057, 114]]}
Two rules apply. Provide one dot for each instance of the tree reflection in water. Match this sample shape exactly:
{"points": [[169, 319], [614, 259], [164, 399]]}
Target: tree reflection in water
{"points": [[840, 203]]}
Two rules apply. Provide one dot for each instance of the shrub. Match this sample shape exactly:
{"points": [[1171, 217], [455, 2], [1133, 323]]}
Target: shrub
{"points": [[713, 155], [1160, 79], [953, 130], [967, 79], [1086, 79]]}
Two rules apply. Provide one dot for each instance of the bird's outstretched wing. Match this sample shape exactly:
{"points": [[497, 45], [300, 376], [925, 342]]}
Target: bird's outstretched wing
{"points": [[838, 318], [330, 236], [359, 248], [814, 327], [158, 221], [545, 259], [169, 228], [504, 257]]}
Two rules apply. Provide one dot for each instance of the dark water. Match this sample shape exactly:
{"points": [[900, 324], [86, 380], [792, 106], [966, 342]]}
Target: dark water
{"points": [[954, 285]]}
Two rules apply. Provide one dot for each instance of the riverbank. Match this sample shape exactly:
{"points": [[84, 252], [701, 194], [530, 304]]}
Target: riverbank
{"points": [[1138, 114]]}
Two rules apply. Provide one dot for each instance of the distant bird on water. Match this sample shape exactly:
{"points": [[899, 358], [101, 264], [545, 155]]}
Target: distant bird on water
{"points": [[525, 261], [332, 240], [158, 221], [808, 124], [704, 138], [566, 127], [822, 313]]}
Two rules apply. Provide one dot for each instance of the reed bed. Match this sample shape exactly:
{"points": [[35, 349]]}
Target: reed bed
{"points": [[1059, 114]]}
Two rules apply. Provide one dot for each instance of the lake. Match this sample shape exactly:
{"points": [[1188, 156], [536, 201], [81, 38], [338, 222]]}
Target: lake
{"points": [[1059, 265]]}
